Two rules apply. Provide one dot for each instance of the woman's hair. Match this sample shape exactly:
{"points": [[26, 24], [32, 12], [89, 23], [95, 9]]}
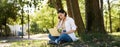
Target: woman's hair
{"points": [[62, 11]]}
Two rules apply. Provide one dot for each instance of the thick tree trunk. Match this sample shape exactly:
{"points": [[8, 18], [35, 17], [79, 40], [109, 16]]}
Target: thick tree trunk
{"points": [[69, 8], [101, 17], [94, 16], [75, 12]]}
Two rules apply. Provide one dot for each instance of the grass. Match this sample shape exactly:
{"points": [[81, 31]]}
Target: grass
{"points": [[30, 43], [101, 40], [86, 40]]}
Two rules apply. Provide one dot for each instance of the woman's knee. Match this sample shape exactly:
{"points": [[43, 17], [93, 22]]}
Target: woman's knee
{"points": [[64, 34]]}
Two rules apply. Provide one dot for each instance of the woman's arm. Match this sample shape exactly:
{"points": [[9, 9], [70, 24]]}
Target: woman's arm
{"points": [[73, 27], [69, 32]]}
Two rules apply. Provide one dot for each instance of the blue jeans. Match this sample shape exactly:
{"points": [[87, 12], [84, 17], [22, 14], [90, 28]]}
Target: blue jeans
{"points": [[63, 37]]}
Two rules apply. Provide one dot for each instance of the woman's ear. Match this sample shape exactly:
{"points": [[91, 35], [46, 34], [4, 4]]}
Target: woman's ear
{"points": [[59, 18]]}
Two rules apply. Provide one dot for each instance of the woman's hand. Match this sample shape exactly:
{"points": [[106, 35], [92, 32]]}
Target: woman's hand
{"points": [[69, 32], [63, 32]]}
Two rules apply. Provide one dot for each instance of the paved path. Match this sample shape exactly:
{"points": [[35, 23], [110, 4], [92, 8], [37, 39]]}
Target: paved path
{"points": [[6, 42], [38, 37]]}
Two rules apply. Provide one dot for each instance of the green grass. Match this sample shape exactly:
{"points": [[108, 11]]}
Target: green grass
{"points": [[30, 43], [101, 40], [91, 40]]}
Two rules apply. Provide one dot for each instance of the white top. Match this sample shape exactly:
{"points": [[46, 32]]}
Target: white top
{"points": [[69, 25]]}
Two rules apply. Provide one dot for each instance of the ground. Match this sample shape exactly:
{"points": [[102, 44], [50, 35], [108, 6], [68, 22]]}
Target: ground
{"points": [[86, 40]]}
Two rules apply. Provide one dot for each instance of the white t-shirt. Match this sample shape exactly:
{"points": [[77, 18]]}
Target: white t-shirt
{"points": [[69, 25]]}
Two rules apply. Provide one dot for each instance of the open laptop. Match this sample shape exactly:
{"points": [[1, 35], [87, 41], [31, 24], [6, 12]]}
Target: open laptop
{"points": [[54, 32]]}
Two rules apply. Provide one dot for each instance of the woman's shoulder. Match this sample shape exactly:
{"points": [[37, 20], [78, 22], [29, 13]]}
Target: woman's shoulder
{"points": [[69, 18]]}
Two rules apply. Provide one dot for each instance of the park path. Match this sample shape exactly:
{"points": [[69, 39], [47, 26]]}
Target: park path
{"points": [[5, 42], [38, 37]]}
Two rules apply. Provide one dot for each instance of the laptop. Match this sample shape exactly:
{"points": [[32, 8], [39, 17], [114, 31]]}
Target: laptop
{"points": [[54, 32]]}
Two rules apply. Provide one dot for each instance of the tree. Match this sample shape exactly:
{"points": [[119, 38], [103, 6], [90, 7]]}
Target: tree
{"points": [[94, 16], [57, 4], [74, 11], [69, 8], [8, 14], [109, 9]]}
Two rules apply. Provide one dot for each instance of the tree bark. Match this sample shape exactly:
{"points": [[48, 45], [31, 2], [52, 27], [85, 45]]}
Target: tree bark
{"points": [[69, 8], [74, 11], [94, 16], [110, 21]]}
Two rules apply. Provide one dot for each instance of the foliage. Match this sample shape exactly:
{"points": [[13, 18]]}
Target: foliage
{"points": [[7, 33], [35, 29], [47, 13], [8, 13], [45, 18], [115, 15]]}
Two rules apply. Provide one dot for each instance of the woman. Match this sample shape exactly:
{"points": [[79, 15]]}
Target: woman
{"points": [[67, 27]]}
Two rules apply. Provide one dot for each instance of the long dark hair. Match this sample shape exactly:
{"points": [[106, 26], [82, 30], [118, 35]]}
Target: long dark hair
{"points": [[62, 11]]}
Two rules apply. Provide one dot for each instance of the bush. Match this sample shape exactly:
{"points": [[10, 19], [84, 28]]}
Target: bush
{"points": [[6, 32]]}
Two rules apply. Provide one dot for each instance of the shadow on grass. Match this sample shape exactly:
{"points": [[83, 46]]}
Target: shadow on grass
{"points": [[100, 40]]}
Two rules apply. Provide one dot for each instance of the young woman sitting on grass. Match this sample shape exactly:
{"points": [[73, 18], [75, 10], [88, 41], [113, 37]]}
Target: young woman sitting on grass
{"points": [[66, 26]]}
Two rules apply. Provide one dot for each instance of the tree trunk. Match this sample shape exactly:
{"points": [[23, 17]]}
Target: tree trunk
{"points": [[109, 9], [5, 26], [101, 6], [73, 7], [22, 20], [58, 4], [94, 16], [69, 8], [1, 32]]}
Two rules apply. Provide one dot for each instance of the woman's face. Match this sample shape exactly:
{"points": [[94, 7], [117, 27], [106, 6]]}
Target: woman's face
{"points": [[61, 15]]}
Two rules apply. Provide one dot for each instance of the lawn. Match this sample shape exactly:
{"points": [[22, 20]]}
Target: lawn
{"points": [[85, 40]]}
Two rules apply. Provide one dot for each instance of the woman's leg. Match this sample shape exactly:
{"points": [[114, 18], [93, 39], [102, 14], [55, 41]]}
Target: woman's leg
{"points": [[63, 37], [52, 37]]}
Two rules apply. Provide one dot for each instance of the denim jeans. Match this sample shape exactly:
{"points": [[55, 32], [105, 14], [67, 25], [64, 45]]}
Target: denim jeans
{"points": [[62, 37]]}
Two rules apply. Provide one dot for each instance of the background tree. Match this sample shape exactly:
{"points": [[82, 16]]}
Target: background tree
{"points": [[9, 14], [110, 21], [57, 4], [94, 16], [69, 8], [75, 13]]}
